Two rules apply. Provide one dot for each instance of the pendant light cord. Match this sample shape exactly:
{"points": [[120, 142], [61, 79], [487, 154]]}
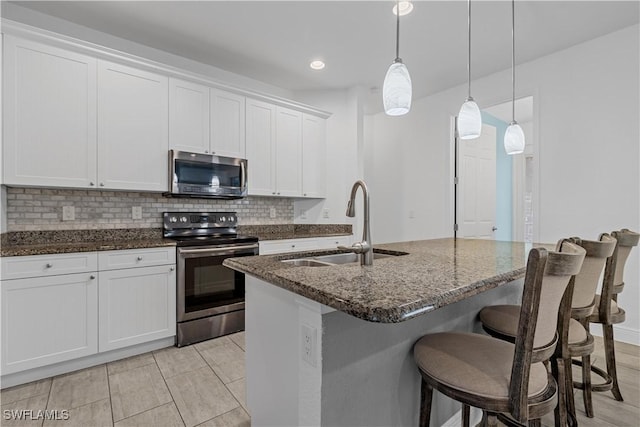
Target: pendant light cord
{"points": [[513, 61], [398, 31], [469, 50]]}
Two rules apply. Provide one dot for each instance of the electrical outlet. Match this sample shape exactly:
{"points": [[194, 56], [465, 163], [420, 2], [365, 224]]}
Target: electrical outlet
{"points": [[303, 214], [308, 343], [325, 213], [272, 212], [68, 213], [136, 212]]}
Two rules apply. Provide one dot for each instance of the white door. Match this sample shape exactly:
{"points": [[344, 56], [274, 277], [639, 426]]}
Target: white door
{"points": [[314, 153], [49, 116], [47, 320], [227, 124], [261, 139], [133, 121], [288, 152], [137, 305], [188, 116], [477, 185]]}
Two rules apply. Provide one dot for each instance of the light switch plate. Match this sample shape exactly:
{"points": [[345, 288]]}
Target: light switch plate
{"points": [[136, 212], [272, 212], [308, 343], [325, 213]]}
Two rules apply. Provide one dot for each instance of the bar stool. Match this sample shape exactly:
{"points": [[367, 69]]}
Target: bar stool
{"points": [[607, 312], [505, 380], [573, 332]]}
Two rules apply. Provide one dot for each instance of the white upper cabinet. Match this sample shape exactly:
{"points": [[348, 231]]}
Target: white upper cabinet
{"points": [[288, 152], [261, 139], [188, 116], [206, 120], [132, 128], [49, 115], [227, 124], [314, 156]]}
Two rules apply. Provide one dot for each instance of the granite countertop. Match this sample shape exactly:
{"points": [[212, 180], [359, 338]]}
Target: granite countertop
{"points": [[434, 273], [66, 241], [19, 243]]}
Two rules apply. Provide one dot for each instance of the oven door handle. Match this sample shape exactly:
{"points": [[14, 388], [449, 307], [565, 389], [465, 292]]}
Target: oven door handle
{"points": [[228, 249]]}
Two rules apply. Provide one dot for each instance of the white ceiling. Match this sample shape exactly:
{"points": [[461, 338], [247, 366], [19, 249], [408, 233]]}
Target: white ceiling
{"points": [[274, 41]]}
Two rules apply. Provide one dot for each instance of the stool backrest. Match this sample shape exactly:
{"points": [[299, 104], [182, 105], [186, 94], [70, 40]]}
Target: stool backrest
{"points": [[586, 282], [613, 282], [546, 279]]}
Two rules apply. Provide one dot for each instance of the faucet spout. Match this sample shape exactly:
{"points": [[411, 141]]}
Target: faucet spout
{"points": [[364, 248]]}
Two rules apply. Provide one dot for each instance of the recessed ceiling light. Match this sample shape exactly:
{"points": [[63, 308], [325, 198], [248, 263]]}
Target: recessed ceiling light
{"points": [[317, 64], [405, 8]]}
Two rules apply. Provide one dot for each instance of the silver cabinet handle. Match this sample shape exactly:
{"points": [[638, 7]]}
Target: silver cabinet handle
{"points": [[273, 192], [102, 184], [49, 265], [92, 277], [139, 258], [305, 194], [494, 228], [92, 184], [171, 268]]}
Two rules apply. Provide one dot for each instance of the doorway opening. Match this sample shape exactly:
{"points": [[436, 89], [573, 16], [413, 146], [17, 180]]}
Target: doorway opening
{"points": [[495, 195]]}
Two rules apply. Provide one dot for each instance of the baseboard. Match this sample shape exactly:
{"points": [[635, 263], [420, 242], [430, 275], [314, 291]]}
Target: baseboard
{"points": [[475, 415], [620, 333], [35, 374]]}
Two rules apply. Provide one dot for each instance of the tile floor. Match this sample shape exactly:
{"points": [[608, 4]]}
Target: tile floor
{"points": [[198, 385]]}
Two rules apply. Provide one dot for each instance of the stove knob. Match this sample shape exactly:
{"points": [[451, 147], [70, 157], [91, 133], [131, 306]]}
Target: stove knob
{"points": [[184, 219], [222, 219], [173, 219], [232, 219]]}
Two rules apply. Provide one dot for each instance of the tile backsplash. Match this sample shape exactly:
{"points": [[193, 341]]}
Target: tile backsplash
{"points": [[41, 209]]}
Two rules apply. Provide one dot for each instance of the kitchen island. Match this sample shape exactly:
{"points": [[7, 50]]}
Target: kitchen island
{"points": [[332, 344]]}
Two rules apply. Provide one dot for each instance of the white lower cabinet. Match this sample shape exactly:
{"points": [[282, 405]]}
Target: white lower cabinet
{"points": [[136, 305], [47, 320], [112, 299], [270, 247]]}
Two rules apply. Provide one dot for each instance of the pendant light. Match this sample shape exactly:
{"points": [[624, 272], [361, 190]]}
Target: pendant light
{"points": [[469, 118], [396, 90], [514, 136]]}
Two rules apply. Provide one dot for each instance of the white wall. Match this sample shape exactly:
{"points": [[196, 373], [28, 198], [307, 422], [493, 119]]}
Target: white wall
{"points": [[586, 109], [342, 135]]}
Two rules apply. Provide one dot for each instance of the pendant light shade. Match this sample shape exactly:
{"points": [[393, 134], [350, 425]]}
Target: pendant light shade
{"points": [[514, 136], [396, 90], [514, 139], [469, 118]]}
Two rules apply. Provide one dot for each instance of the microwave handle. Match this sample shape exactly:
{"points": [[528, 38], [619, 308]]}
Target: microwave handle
{"points": [[243, 172]]}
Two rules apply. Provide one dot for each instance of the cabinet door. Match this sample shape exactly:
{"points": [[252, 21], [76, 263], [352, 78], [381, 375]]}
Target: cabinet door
{"points": [[261, 136], [48, 320], [227, 124], [136, 305], [288, 152], [132, 128], [314, 152], [188, 116], [49, 116]]}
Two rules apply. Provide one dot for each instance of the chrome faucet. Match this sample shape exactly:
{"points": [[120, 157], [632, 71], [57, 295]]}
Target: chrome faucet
{"points": [[364, 248]]}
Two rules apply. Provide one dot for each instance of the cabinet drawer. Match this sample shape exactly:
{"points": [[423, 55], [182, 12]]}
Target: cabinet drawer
{"points": [[20, 267], [111, 260]]}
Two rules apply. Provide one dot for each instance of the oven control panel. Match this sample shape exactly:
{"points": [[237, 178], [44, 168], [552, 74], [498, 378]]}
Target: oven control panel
{"points": [[195, 220]]}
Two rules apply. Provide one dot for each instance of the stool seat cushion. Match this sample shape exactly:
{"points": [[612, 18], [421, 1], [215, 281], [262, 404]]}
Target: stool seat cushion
{"points": [[501, 318], [472, 363], [577, 332], [617, 314]]}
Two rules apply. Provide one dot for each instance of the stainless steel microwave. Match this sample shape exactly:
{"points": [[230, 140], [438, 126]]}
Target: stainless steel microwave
{"points": [[206, 175]]}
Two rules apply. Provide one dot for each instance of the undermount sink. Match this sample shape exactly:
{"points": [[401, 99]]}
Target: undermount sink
{"points": [[334, 259], [306, 262], [347, 258]]}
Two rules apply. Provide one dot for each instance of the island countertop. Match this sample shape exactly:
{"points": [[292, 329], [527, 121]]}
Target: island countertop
{"points": [[432, 274]]}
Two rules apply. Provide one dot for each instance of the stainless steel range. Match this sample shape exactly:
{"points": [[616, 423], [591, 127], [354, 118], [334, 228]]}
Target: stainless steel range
{"points": [[210, 296]]}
